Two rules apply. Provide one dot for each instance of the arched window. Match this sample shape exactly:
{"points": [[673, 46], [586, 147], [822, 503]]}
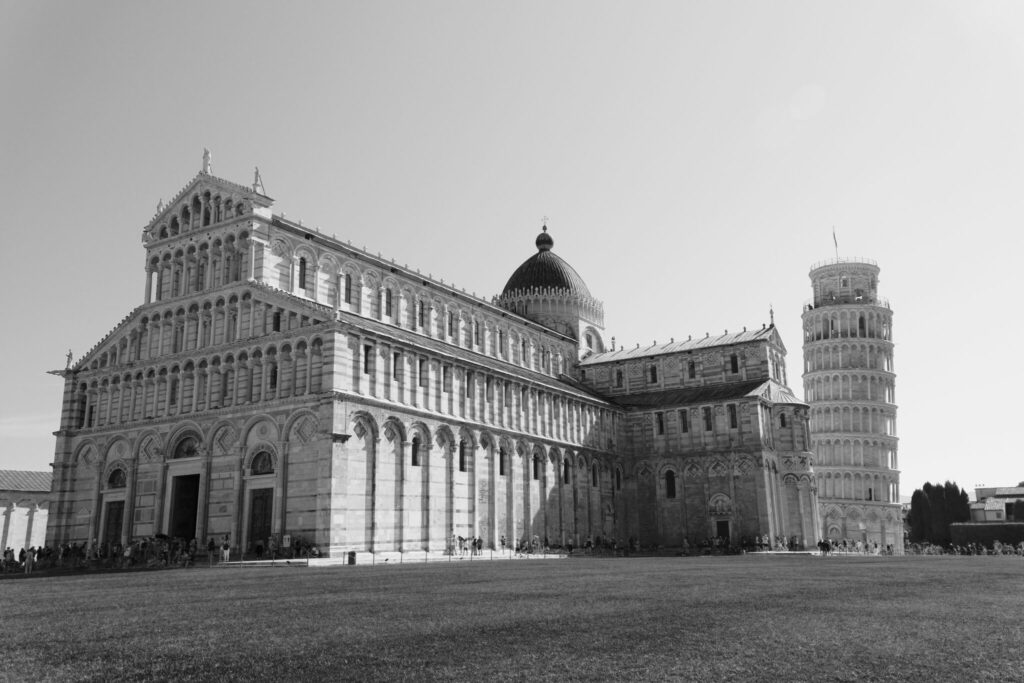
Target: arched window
{"points": [[387, 302], [262, 463], [117, 479], [536, 467], [302, 272], [462, 455], [415, 451], [653, 373], [565, 472], [186, 448], [502, 454], [670, 484], [782, 420], [593, 475], [348, 288]]}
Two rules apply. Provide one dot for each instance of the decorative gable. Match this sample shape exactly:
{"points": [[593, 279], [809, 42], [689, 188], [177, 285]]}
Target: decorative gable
{"points": [[206, 200]]}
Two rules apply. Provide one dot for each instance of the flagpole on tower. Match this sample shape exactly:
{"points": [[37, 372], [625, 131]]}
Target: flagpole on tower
{"points": [[835, 241]]}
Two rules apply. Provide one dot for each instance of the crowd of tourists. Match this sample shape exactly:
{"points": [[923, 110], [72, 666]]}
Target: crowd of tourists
{"points": [[155, 552], [998, 548], [830, 546]]}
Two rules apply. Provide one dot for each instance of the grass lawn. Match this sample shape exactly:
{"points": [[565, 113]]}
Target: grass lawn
{"points": [[778, 618]]}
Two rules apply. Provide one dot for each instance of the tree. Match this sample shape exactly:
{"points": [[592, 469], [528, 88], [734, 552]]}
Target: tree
{"points": [[958, 503], [920, 517], [933, 508], [939, 533]]}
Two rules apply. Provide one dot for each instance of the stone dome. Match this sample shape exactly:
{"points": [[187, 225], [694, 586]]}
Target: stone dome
{"points": [[545, 270]]}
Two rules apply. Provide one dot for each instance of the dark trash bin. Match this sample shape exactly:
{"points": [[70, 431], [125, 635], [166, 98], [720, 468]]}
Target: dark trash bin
{"points": [[352, 557]]}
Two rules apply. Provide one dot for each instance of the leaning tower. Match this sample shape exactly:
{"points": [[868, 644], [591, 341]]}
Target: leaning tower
{"points": [[850, 386]]}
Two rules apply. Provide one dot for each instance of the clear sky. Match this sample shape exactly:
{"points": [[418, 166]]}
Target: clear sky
{"points": [[692, 159]]}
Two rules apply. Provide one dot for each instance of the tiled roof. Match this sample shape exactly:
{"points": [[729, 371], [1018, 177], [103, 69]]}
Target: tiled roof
{"points": [[676, 346], [768, 389], [22, 480]]}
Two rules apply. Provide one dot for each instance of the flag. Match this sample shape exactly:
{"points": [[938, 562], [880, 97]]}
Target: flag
{"points": [[834, 240]]}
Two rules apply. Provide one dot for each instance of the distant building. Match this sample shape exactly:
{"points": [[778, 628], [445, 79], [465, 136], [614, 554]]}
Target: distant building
{"points": [[277, 382], [995, 504], [850, 385], [24, 508]]}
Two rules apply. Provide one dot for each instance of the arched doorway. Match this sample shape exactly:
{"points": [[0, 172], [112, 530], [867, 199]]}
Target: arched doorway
{"points": [[183, 472]]}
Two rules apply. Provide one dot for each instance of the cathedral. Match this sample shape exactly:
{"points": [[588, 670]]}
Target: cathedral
{"points": [[277, 383]]}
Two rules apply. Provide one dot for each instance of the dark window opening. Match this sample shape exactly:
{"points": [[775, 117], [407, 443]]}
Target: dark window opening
{"points": [[502, 455], [684, 421], [708, 425], [367, 357], [670, 484], [691, 369], [387, 302], [618, 378], [462, 455], [348, 288], [302, 273], [415, 451], [653, 374], [734, 363], [276, 326], [733, 422], [565, 472], [262, 463], [186, 448], [117, 479], [659, 419]]}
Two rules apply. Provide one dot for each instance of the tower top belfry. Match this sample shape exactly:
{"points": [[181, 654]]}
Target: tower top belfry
{"points": [[845, 280]]}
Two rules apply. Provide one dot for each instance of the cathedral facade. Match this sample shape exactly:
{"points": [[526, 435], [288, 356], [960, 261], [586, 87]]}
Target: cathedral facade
{"points": [[280, 383]]}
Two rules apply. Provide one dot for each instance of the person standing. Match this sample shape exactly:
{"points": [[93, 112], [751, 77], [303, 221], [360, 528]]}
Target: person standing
{"points": [[225, 549]]}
